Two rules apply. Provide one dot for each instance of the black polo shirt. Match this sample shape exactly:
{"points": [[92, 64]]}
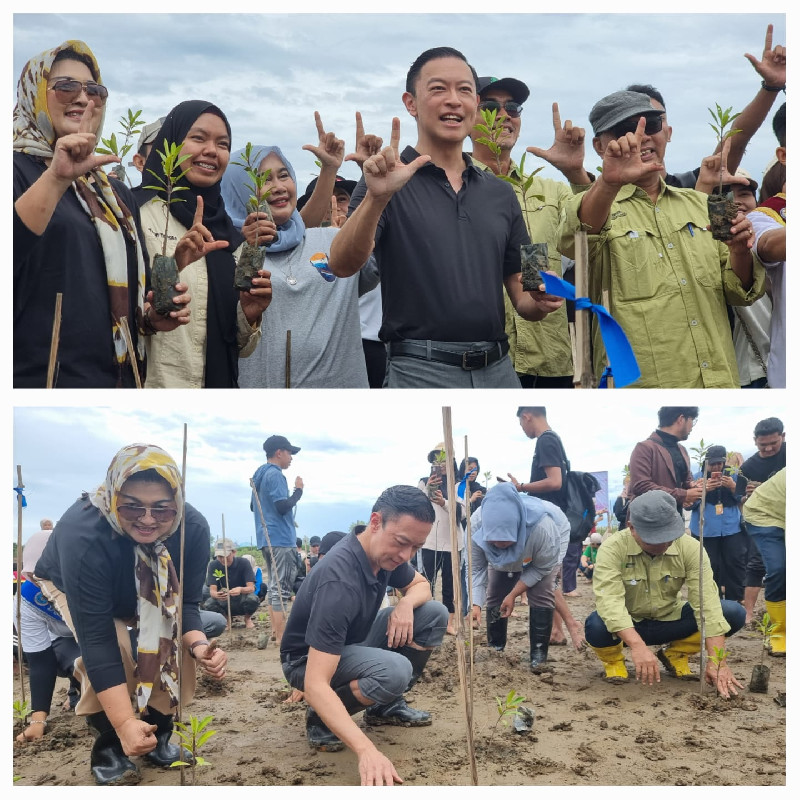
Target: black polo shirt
{"points": [[443, 255], [338, 601], [240, 573]]}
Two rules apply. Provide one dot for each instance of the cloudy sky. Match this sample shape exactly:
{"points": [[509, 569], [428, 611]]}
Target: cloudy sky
{"points": [[270, 72], [354, 444]]}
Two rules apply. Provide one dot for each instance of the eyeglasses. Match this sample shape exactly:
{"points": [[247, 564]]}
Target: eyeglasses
{"points": [[68, 89], [134, 513], [652, 125], [510, 107]]}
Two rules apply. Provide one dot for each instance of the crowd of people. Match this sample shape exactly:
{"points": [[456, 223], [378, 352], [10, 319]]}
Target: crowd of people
{"points": [[409, 278], [356, 618]]}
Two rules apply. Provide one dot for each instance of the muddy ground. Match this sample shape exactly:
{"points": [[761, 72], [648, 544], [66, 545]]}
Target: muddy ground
{"points": [[586, 732]]}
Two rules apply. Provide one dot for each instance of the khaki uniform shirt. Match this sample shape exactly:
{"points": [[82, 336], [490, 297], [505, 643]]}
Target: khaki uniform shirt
{"points": [[629, 585], [177, 359], [667, 281], [544, 347], [766, 507]]}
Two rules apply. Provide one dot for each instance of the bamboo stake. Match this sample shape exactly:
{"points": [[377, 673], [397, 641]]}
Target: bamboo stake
{"points": [[288, 359], [179, 609], [227, 585], [452, 502], [583, 377], [54, 337], [700, 583], [468, 546], [126, 334], [20, 487]]}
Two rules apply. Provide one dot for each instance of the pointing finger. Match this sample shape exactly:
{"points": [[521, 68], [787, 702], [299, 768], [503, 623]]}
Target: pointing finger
{"points": [[394, 142], [318, 121], [556, 118], [359, 128], [85, 125], [768, 40], [640, 130]]}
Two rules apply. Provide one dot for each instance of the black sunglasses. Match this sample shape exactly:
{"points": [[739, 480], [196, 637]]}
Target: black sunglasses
{"points": [[510, 107], [652, 125], [68, 89], [134, 513]]}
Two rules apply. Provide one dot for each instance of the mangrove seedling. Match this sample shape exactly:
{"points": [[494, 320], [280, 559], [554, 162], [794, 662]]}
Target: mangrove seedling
{"points": [[193, 735], [22, 711], [507, 707], [720, 654], [534, 256], [164, 272], [251, 258], [130, 127], [438, 472], [721, 209], [759, 679], [487, 476]]}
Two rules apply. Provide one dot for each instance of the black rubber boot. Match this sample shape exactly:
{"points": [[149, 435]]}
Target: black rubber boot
{"points": [[540, 621], [496, 629], [165, 753], [418, 659], [319, 735], [110, 765], [398, 712]]}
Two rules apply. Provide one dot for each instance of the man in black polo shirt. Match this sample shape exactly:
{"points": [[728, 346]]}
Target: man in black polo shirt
{"points": [[237, 583], [344, 653], [446, 236]]}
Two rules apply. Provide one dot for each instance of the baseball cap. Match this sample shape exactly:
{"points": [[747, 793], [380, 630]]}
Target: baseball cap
{"points": [[655, 517], [224, 547], [596, 538], [517, 89], [619, 106], [329, 540], [149, 133], [339, 183], [716, 453], [275, 443], [314, 540]]}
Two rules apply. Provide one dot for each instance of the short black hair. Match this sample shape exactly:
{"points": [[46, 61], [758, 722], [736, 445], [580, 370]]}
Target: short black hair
{"points": [[298, 542], [768, 426], [68, 54], [396, 501], [431, 55], [668, 415], [537, 411], [779, 125], [360, 528], [650, 91]]}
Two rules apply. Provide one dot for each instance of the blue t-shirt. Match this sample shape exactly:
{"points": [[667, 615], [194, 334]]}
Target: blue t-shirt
{"points": [[271, 486]]}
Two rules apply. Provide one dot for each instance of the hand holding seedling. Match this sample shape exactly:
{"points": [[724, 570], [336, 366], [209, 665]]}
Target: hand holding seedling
{"points": [[385, 173], [259, 229], [198, 241], [367, 145], [73, 154], [212, 659], [400, 626], [137, 737], [330, 150], [622, 160], [545, 303], [567, 151], [719, 674], [711, 167], [173, 319], [772, 67], [744, 236], [255, 301]]}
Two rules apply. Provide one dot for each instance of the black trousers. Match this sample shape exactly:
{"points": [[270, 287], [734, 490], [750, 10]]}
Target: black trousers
{"points": [[728, 557]]}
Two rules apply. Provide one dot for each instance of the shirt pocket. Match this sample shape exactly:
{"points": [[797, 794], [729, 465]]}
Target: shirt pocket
{"points": [[637, 268], [697, 250], [633, 575], [671, 575]]}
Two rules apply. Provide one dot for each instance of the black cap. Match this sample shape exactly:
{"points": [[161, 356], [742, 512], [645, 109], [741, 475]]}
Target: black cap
{"points": [[329, 540], [314, 540], [275, 443], [340, 183], [517, 89], [715, 454]]}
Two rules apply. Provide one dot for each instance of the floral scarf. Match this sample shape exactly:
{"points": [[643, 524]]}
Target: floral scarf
{"points": [[34, 134], [157, 584]]}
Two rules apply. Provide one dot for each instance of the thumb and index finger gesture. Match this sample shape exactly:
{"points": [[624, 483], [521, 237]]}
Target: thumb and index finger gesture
{"points": [[73, 154], [566, 152], [198, 241], [330, 150], [622, 160], [385, 173], [366, 144]]}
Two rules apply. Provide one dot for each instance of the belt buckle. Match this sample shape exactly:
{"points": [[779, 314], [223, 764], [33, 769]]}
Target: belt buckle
{"points": [[474, 359]]}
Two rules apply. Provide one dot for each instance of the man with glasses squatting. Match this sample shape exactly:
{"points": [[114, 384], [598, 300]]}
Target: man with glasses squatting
{"points": [[541, 352], [666, 278]]}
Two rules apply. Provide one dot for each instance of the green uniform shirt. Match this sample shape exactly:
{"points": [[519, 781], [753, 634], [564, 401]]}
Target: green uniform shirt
{"points": [[540, 348], [630, 585], [766, 507], [667, 281]]}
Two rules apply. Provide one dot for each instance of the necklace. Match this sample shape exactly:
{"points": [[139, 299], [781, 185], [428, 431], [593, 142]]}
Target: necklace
{"points": [[290, 278]]}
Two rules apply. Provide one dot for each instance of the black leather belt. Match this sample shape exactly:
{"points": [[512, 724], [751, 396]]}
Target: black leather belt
{"points": [[471, 359]]}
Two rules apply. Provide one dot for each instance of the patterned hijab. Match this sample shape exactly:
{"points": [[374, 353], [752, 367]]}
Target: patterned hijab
{"points": [[34, 134], [157, 584]]}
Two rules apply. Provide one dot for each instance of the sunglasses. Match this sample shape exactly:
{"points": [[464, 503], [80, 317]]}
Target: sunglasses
{"points": [[68, 89], [652, 125], [510, 107], [134, 513]]}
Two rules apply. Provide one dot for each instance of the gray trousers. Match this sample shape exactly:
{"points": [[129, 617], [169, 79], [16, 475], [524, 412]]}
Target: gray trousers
{"points": [[382, 674], [286, 564], [541, 594]]}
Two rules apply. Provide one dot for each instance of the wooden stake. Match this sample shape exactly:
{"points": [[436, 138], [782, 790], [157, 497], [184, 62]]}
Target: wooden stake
{"points": [[288, 359], [179, 609], [700, 583], [583, 377], [453, 503], [227, 585], [20, 487], [54, 337], [468, 599], [126, 333]]}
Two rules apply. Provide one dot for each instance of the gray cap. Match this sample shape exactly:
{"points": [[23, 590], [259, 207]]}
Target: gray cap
{"points": [[224, 547], [655, 517], [149, 133], [619, 106]]}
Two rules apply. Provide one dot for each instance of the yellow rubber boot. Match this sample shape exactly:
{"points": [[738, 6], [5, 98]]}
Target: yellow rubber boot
{"points": [[676, 657], [777, 639], [614, 662]]}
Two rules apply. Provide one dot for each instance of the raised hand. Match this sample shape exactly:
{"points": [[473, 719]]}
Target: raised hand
{"points": [[385, 173], [197, 242], [772, 67], [366, 144], [622, 160], [567, 151], [330, 150], [338, 217]]}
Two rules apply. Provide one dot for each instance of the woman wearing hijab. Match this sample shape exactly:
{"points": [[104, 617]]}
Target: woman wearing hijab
{"points": [[319, 309], [75, 234], [520, 541], [111, 565], [226, 322]]}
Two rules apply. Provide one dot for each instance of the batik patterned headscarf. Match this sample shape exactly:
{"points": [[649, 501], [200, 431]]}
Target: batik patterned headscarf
{"points": [[157, 584], [35, 135]]}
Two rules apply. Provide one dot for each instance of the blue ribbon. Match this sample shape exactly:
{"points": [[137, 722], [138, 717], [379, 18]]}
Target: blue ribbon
{"points": [[618, 348], [18, 490]]}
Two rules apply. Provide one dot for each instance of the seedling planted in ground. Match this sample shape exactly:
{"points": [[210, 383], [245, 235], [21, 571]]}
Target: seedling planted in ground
{"points": [[507, 707], [21, 711], [720, 654], [193, 735]]}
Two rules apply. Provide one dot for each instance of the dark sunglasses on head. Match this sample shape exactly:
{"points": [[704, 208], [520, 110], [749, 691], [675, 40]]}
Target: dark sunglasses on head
{"points": [[68, 89], [510, 107], [652, 125], [134, 513]]}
